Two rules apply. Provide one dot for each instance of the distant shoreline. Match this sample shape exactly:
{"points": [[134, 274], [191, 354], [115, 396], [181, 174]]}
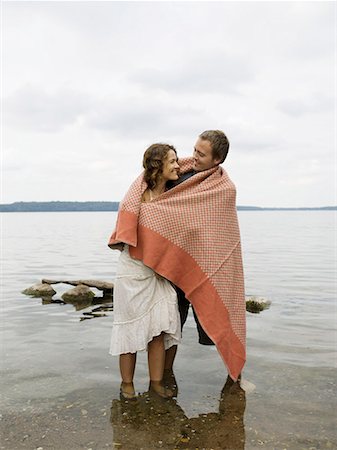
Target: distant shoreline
{"points": [[59, 206]]}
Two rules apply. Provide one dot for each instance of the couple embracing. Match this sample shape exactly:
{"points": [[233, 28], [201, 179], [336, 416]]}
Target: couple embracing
{"points": [[178, 233]]}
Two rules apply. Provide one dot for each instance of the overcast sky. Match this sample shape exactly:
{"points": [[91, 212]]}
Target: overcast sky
{"points": [[87, 86]]}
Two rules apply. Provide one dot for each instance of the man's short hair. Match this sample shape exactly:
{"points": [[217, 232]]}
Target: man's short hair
{"points": [[219, 143]]}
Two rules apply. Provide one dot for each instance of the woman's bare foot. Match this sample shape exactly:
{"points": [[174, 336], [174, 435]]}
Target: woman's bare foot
{"points": [[128, 391], [157, 388], [170, 382]]}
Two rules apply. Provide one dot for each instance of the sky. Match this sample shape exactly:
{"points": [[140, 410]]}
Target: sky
{"points": [[86, 87]]}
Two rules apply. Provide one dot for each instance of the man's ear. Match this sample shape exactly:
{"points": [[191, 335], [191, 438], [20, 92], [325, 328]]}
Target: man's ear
{"points": [[217, 161]]}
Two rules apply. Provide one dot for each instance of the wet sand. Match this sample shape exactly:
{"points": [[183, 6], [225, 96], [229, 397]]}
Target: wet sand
{"points": [[70, 398]]}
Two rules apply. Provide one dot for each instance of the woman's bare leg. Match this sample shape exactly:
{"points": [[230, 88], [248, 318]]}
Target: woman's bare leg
{"points": [[127, 365], [156, 360], [170, 355], [169, 379]]}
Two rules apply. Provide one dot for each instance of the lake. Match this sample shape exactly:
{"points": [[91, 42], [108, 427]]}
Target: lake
{"points": [[60, 387]]}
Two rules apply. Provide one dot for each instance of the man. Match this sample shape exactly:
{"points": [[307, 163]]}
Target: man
{"points": [[210, 150]]}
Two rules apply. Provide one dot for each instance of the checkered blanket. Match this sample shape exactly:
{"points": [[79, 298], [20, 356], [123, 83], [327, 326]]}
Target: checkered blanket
{"points": [[190, 235]]}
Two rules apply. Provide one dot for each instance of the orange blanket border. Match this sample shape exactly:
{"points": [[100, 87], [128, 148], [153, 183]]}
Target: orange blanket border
{"points": [[198, 290]]}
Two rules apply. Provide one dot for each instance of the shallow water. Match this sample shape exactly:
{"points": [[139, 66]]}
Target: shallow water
{"points": [[60, 388]]}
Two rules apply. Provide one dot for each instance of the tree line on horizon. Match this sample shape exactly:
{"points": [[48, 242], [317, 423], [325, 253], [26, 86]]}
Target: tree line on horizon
{"points": [[61, 206]]}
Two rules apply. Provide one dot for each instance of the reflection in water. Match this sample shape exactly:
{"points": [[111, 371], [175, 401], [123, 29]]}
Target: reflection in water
{"points": [[101, 305], [97, 312], [150, 423], [81, 303]]}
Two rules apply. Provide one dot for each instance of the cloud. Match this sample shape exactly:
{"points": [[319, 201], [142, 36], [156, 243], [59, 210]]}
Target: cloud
{"points": [[315, 37], [208, 72], [34, 108], [318, 103], [143, 116]]}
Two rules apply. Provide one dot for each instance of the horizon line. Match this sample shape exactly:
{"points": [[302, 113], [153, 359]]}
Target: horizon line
{"points": [[114, 202]]}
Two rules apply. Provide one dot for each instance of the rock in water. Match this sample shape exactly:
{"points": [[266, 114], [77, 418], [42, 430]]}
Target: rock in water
{"points": [[256, 304], [40, 290], [79, 293]]}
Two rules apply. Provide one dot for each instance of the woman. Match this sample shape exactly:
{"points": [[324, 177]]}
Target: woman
{"points": [[146, 315]]}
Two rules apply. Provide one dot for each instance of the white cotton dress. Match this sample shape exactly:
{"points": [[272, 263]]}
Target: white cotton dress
{"points": [[144, 307]]}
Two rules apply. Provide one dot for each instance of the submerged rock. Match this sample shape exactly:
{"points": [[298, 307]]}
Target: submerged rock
{"points": [[40, 290], [256, 304], [80, 292]]}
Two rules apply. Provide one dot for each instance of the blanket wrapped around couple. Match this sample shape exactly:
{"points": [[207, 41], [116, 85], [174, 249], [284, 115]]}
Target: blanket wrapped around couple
{"points": [[190, 235]]}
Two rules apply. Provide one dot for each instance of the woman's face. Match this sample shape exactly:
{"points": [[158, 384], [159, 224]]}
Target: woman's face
{"points": [[170, 166]]}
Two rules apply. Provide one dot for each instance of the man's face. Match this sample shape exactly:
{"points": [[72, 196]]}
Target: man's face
{"points": [[202, 155]]}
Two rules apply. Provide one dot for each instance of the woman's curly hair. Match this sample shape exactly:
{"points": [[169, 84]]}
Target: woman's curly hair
{"points": [[153, 162]]}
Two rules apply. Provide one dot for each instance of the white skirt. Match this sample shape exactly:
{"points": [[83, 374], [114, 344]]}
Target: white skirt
{"points": [[144, 307]]}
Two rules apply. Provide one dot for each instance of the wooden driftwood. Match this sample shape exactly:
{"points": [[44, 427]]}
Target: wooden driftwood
{"points": [[104, 286]]}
